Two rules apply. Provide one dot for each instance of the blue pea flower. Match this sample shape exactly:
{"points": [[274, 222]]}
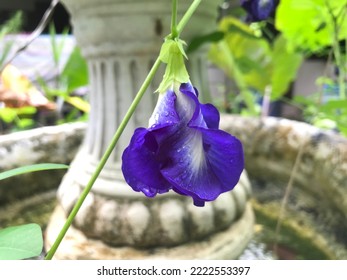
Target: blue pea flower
{"points": [[258, 10], [183, 150]]}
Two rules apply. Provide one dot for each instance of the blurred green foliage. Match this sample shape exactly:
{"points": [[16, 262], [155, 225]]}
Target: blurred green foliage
{"points": [[11, 26], [72, 76], [310, 25], [261, 64], [319, 27]]}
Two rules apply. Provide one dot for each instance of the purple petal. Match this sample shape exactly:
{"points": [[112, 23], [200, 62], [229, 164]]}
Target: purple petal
{"points": [[205, 165], [142, 159], [140, 167], [164, 113], [211, 115]]}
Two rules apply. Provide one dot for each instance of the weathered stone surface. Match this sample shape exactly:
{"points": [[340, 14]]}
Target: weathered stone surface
{"points": [[54, 144], [227, 244], [168, 220], [271, 146], [319, 186]]}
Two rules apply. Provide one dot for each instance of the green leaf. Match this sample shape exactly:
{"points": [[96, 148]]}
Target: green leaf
{"points": [[243, 31], [75, 72], [25, 123], [57, 48], [8, 115], [27, 110], [333, 105], [20, 242], [309, 24], [197, 42], [253, 61], [79, 103], [285, 65], [12, 25], [251, 54], [31, 168], [303, 100]]}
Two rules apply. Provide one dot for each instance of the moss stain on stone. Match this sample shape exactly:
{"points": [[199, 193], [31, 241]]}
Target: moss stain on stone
{"points": [[295, 234], [37, 209]]}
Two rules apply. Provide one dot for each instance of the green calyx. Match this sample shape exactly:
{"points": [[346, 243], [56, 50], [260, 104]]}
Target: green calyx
{"points": [[172, 53]]}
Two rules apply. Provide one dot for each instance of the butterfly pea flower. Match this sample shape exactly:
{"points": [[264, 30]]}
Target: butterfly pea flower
{"points": [[258, 10], [183, 149]]}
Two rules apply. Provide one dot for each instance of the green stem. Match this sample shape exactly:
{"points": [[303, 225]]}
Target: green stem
{"points": [[186, 17], [115, 139], [174, 32], [340, 64], [336, 48], [104, 159]]}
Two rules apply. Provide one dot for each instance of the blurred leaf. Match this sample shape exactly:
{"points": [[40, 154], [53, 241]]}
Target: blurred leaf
{"points": [[12, 25], [308, 24], [27, 110], [8, 115], [79, 103], [251, 54], [335, 104], [254, 60], [57, 48], [197, 42], [21, 242], [342, 127], [31, 168], [325, 123], [5, 52], [25, 123], [325, 81], [304, 100], [247, 65], [238, 29], [285, 65], [75, 72]]}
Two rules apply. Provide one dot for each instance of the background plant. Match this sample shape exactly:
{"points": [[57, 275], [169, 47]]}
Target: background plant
{"points": [[256, 65], [320, 29], [70, 77]]}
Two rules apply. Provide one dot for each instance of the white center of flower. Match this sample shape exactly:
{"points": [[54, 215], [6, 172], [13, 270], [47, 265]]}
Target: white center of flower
{"points": [[197, 154], [263, 3]]}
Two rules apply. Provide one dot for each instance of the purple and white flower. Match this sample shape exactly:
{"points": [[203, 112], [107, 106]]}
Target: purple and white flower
{"points": [[183, 150]]}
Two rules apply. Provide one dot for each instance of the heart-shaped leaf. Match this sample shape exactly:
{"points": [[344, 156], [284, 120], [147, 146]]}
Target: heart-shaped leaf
{"points": [[20, 242]]}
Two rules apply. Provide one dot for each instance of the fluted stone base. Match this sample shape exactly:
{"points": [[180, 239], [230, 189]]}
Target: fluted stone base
{"points": [[113, 218], [227, 244]]}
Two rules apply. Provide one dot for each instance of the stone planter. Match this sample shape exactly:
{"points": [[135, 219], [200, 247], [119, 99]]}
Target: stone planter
{"points": [[318, 196], [120, 40], [271, 147], [55, 144]]}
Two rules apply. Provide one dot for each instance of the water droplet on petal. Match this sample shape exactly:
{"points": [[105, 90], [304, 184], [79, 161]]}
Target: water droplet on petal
{"points": [[148, 191]]}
